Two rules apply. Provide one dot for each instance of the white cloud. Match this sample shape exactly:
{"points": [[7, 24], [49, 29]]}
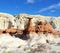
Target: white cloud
{"points": [[30, 1], [54, 6], [52, 11]]}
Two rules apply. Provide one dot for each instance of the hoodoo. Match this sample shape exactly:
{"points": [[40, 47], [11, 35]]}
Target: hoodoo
{"points": [[45, 27], [30, 27], [40, 27]]}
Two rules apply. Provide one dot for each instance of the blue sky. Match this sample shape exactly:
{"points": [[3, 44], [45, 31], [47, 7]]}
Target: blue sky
{"points": [[42, 7]]}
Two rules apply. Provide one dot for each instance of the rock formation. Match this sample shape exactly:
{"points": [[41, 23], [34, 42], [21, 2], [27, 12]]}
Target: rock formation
{"points": [[29, 24], [30, 28], [45, 27], [36, 33], [40, 27]]}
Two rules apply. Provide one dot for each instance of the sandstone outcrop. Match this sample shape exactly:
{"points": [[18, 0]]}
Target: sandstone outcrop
{"points": [[45, 27], [26, 33], [30, 28], [29, 23], [6, 21]]}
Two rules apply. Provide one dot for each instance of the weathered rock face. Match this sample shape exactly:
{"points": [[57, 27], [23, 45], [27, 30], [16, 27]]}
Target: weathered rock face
{"points": [[21, 22], [30, 28], [40, 24], [40, 28], [54, 21], [6, 21], [45, 27]]}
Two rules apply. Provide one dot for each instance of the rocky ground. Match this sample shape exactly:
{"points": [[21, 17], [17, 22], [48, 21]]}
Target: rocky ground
{"points": [[36, 44]]}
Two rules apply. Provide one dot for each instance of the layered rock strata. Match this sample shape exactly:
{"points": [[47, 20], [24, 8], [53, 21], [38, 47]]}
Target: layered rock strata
{"points": [[41, 31], [25, 23]]}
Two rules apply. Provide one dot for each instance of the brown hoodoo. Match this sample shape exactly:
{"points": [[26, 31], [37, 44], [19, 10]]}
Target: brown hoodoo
{"points": [[49, 29], [45, 27], [30, 28], [40, 27]]}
